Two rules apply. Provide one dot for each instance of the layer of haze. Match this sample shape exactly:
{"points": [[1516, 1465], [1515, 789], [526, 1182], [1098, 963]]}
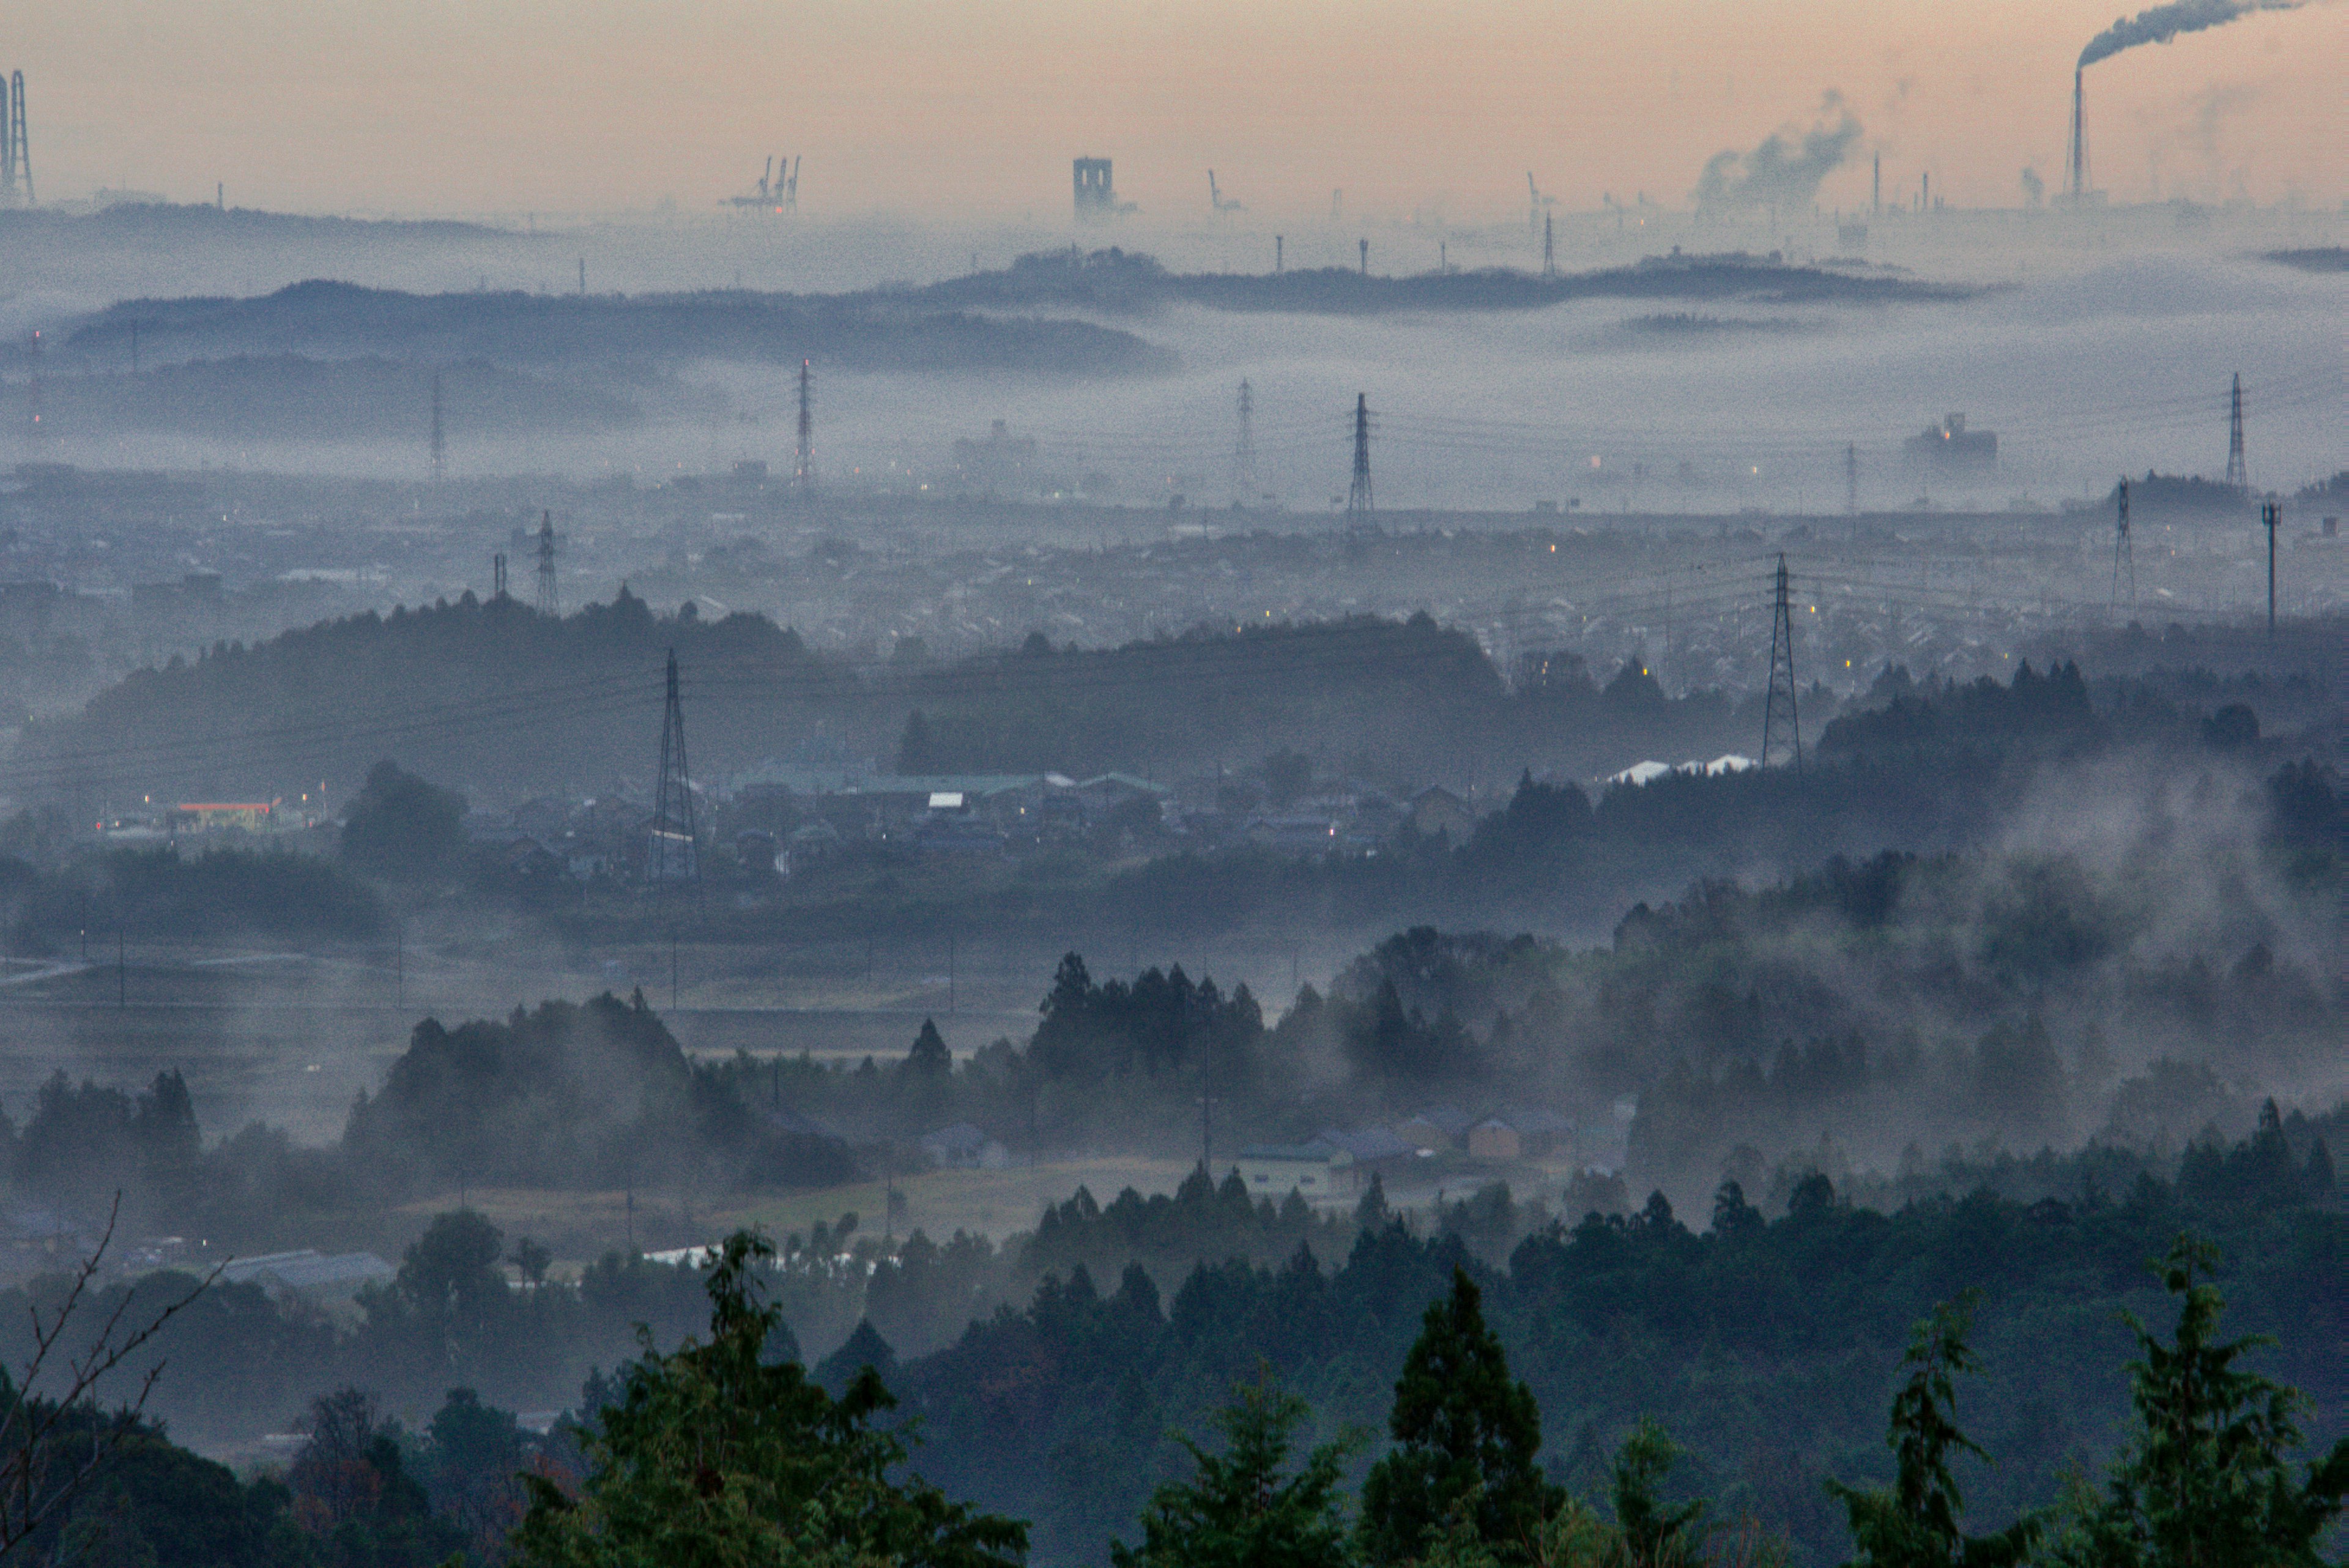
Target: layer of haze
{"points": [[961, 112]]}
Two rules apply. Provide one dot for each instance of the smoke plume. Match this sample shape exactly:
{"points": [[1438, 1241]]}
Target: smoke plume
{"points": [[2163, 22], [1782, 171]]}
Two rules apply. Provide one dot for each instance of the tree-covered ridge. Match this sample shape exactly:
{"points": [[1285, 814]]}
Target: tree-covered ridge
{"points": [[863, 331]]}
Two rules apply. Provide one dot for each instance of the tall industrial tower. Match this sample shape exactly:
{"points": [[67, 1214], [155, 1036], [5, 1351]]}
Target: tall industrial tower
{"points": [[1549, 248], [1358, 496], [2076, 162], [670, 840], [2270, 513], [15, 148], [549, 602], [2124, 553], [1782, 733], [2239, 475], [803, 470], [1244, 483], [440, 440]]}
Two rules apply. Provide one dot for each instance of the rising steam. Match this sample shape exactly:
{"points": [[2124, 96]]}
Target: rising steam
{"points": [[2163, 22], [1782, 171]]}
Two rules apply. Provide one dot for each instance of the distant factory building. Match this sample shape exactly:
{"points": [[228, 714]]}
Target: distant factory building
{"points": [[1097, 191], [1949, 448], [206, 815]]}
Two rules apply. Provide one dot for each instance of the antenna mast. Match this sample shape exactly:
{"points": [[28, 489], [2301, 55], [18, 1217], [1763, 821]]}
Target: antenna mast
{"points": [[803, 475], [2124, 553], [1243, 487], [1782, 733], [549, 603], [2239, 475]]}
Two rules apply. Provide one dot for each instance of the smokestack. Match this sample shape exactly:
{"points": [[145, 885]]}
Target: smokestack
{"points": [[2076, 173]]}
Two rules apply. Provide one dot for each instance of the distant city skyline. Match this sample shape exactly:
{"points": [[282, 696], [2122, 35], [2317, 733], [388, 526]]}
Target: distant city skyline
{"points": [[969, 113]]}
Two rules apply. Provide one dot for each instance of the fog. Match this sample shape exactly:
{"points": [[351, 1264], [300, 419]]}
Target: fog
{"points": [[525, 746]]}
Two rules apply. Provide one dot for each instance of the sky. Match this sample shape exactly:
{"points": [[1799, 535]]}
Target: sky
{"points": [[970, 111]]}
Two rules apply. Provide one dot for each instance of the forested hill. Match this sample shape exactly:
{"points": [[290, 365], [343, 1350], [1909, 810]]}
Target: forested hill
{"points": [[869, 332], [481, 695], [1122, 281], [497, 700]]}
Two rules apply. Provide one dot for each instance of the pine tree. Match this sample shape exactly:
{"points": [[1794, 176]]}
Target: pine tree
{"points": [[1913, 1523], [929, 1058], [1466, 1435], [2204, 1480], [715, 1457], [1242, 1508]]}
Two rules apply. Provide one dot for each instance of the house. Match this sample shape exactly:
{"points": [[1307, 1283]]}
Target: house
{"points": [[308, 1275], [1495, 1139], [1436, 810], [1539, 1131], [963, 1147], [1310, 1170], [1373, 1150], [1436, 1128]]}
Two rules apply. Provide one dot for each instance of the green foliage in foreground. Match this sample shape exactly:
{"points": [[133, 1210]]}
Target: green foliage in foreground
{"points": [[715, 1458]]}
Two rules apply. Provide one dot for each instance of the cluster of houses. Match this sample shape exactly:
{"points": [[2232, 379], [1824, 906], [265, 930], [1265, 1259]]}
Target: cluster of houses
{"points": [[1336, 1161], [794, 819]]}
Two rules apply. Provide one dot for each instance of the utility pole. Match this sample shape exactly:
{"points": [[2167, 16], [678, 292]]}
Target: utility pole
{"points": [[672, 969], [1782, 734], [2124, 553], [121, 972], [549, 602], [2270, 513], [803, 475], [439, 441], [675, 835], [950, 974], [1244, 454], [1358, 496], [2239, 475]]}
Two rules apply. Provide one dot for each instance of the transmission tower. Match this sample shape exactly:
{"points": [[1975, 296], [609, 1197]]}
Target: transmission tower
{"points": [[1244, 454], [1358, 497], [1781, 732], [803, 475], [669, 847], [549, 602], [2239, 475], [439, 441], [2124, 553]]}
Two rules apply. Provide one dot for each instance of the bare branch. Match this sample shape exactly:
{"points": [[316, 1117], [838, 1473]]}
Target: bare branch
{"points": [[31, 1422]]}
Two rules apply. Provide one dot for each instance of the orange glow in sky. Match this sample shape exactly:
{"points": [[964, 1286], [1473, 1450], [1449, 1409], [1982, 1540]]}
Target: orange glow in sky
{"points": [[972, 111]]}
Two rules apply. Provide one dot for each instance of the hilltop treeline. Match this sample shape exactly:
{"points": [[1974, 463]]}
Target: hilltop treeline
{"points": [[867, 332], [573, 1095], [1124, 281], [1769, 1345], [490, 696], [479, 694]]}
